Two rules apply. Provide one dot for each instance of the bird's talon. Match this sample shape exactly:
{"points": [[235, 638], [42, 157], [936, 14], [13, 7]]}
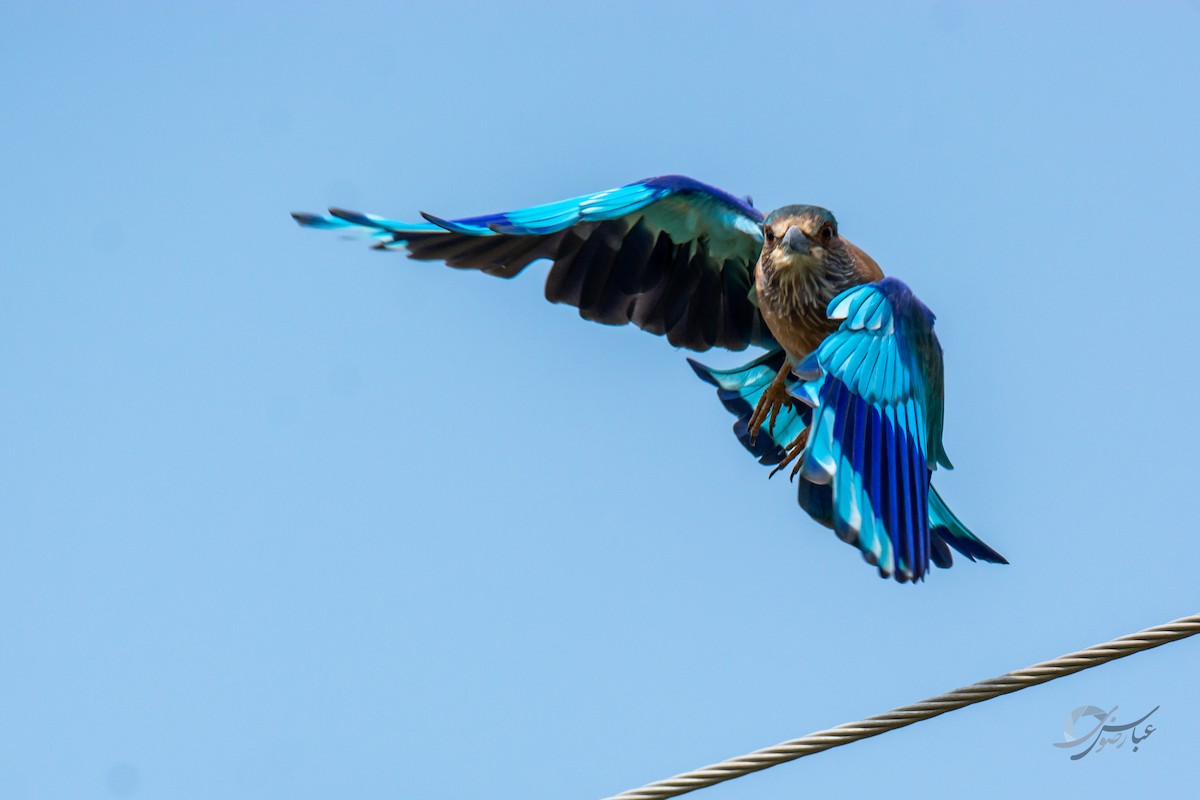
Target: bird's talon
{"points": [[792, 453], [776, 407], [756, 420], [773, 400]]}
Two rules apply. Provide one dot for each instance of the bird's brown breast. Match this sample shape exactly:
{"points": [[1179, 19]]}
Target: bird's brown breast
{"points": [[793, 301]]}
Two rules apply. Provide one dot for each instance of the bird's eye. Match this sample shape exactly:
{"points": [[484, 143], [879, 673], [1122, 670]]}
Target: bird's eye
{"points": [[827, 234], [769, 234]]}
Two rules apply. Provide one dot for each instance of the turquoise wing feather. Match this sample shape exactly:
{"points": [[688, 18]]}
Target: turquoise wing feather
{"points": [[670, 254], [875, 387]]}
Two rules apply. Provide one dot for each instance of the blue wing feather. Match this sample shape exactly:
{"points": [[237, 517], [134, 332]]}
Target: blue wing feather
{"points": [[874, 386], [670, 254], [871, 398], [719, 206]]}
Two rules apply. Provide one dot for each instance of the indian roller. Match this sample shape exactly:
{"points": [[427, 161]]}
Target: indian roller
{"points": [[850, 389]]}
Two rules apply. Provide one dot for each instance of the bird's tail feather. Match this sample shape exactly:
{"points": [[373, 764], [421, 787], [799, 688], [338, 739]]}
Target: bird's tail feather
{"points": [[739, 391], [949, 529]]}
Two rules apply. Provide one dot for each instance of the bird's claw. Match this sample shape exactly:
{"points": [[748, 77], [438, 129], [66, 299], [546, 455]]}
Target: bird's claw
{"points": [[791, 453], [773, 400]]}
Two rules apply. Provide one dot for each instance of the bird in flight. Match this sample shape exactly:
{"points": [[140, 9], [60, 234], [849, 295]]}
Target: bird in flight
{"points": [[850, 389]]}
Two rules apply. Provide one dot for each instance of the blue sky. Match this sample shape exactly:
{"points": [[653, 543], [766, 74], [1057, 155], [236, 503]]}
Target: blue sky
{"points": [[281, 517]]}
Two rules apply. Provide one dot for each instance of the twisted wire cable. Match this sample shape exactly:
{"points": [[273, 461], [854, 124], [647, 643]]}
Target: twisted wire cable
{"points": [[906, 715]]}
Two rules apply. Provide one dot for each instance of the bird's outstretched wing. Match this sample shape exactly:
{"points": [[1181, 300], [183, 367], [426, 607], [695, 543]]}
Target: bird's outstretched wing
{"points": [[875, 386], [670, 254]]}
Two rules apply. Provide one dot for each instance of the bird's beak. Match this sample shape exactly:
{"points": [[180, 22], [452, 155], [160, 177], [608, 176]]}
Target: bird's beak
{"points": [[796, 242]]}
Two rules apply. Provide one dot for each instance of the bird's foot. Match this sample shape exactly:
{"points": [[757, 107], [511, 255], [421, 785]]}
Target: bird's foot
{"points": [[792, 453], [773, 400]]}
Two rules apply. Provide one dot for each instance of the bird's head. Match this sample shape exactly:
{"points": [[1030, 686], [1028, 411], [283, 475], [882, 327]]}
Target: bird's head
{"points": [[798, 239]]}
